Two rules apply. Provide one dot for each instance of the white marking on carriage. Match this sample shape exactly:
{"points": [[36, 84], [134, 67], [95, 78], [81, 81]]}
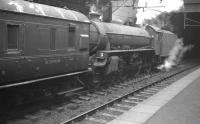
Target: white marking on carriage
{"points": [[73, 15], [31, 6], [17, 5], [84, 35], [40, 10], [37, 8], [60, 12]]}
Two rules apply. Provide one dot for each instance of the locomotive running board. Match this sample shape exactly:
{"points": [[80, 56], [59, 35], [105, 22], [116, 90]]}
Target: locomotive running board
{"points": [[43, 79], [124, 51], [118, 52]]}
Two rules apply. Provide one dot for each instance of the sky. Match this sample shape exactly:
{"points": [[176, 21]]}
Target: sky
{"points": [[169, 5]]}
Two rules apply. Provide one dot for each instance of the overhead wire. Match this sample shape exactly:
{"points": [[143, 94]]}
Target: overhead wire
{"points": [[122, 5]]}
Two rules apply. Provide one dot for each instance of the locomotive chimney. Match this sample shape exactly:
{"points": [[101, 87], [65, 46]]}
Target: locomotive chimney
{"points": [[94, 16], [107, 12]]}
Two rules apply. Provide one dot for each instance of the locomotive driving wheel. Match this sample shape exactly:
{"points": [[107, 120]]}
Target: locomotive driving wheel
{"points": [[139, 67], [138, 70], [148, 63], [148, 68], [137, 62]]}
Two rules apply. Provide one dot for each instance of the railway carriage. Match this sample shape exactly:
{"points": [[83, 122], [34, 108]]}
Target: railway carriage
{"points": [[37, 41]]}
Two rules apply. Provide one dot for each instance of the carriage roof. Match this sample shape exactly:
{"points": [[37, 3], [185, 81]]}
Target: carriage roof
{"points": [[24, 7]]}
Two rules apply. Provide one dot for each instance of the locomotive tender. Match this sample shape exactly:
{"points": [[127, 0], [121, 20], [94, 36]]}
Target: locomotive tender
{"points": [[40, 42]]}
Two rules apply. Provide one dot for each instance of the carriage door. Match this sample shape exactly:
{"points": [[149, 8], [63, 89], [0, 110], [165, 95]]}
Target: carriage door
{"points": [[13, 50], [70, 59]]}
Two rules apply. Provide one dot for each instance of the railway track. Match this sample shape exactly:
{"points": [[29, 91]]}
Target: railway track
{"points": [[110, 110], [98, 106]]}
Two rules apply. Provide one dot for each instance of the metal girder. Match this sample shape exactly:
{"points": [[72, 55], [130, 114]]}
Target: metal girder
{"points": [[190, 20], [192, 7]]}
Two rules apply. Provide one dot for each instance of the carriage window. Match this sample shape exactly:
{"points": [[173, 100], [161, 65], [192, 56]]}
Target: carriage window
{"points": [[13, 36], [53, 38], [72, 35]]}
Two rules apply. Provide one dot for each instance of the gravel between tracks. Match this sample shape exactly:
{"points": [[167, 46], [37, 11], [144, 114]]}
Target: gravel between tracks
{"points": [[65, 110]]}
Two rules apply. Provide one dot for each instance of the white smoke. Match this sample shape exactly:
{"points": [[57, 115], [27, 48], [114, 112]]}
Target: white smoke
{"points": [[93, 8], [175, 55]]}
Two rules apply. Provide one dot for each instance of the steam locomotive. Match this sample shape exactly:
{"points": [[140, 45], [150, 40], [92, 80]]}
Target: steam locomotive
{"points": [[40, 42]]}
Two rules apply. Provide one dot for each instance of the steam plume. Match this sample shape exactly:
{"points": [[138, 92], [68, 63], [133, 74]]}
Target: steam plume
{"points": [[175, 55], [93, 8]]}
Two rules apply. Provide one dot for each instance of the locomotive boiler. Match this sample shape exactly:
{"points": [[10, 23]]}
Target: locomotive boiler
{"points": [[117, 37], [118, 48]]}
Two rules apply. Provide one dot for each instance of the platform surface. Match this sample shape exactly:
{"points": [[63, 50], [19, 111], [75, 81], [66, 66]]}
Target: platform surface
{"points": [[178, 103]]}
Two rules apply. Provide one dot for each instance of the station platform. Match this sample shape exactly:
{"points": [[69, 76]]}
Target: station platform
{"points": [[178, 103]]}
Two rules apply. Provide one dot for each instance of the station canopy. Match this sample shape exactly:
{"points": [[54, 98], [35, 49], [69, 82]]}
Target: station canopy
{"points": [[191, 6]]}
